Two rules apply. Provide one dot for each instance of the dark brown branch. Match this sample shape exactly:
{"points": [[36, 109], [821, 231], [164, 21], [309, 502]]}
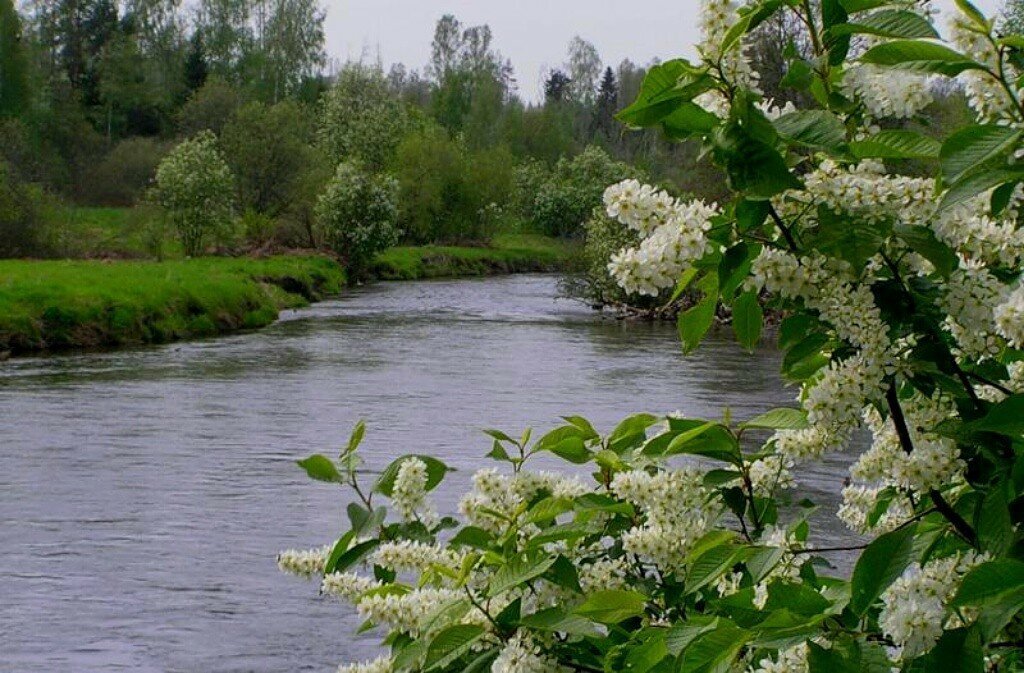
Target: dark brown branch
{"points": [[959, 524]]}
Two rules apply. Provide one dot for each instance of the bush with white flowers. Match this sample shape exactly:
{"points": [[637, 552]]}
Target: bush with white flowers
{"points": [[688, 546], [356, 216], [195, 188]]}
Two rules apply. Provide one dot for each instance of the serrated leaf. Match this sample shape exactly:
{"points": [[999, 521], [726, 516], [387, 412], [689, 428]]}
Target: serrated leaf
{"points": [[814, 128], [612, 606], [321, 468], [975, 146], [451, 643], [747, 319], [781, 418], [896, 144], [879, 565], [695, 322], [920, 56], [889, 23]]}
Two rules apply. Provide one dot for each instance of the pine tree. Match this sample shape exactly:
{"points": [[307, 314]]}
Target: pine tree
{"points": [[196, 69], [607, 104], [13, 64]]}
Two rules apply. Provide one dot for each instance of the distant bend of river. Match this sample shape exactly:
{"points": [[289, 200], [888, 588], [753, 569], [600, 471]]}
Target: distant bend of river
{"points": [[144, 493]]}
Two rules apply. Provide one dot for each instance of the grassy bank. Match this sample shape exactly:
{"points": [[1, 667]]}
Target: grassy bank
{"points": [[507, 253], [53, 305]]}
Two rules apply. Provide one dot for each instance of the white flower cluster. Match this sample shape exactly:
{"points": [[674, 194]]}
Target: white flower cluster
{"points": [[522, 654], [676, 236], [788, 566], [409, 495], [934, 463], [348, 586], [409, 612], [676, 513], [914, 612], [790, 660], [303, 562], [604, 575], [1009, 318], [886, 92], [408, 555], [771, 473], [379, 665], [971, 294], [985, 95]]}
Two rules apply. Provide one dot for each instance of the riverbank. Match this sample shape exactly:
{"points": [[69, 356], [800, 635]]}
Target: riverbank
{"points": [[52, 305], [57, 305], [507, 253]]}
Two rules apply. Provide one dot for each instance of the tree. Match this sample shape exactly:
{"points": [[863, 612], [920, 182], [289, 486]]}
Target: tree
{"points": [[13, 62], [196, 69], [293, 44], [446, 48], [227, 35], [607, 104], [584, 69], [356, 216], [209, 108], [556, 87], [267, 148], [194, 187], [361, 118]]}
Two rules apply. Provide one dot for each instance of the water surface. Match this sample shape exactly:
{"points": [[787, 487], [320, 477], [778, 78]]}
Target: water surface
{"points": [[144, 493]]}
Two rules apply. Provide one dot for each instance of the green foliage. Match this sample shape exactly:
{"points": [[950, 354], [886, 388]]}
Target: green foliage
{"points": [[362, 119], [357, 216], [194, 186], [564, 203], [13, 62], [268, 148], [23, 221], [447, 192], [123, 175], [53, 305]]}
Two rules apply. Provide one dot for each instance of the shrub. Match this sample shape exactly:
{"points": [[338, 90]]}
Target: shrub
{"points": [[23, 217], [904, 308], [357, 216], [123, 175], [562, 205], [267, 148], [448, 193], [194, 187], [209, 108]]}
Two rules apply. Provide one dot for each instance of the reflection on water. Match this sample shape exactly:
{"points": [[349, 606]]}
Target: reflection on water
{"points": [[144, 493]]}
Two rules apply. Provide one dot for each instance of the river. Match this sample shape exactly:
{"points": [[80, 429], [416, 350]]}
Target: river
{"points": [[145, 492]]}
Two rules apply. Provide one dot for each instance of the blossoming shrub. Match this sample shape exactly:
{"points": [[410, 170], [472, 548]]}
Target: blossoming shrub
{"points": [[356, 216], [195, 188], [904, 320]]}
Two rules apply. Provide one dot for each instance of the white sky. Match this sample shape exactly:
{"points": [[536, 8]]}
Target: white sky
{"points": [[533, 33]]}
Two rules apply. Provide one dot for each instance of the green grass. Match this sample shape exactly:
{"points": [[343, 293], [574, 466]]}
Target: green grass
{"points": [[507, 253], [119, 233], [55, 305]]}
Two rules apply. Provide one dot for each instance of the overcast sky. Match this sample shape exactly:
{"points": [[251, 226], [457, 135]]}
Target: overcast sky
{"points": [[533, 33]]}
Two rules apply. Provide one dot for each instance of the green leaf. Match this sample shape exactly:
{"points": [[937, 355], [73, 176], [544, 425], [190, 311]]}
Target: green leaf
{"points": [[994, 523], [681, 634], [976, 146], [896, 144], [612, 606], [710, 440], [665, 88], [339, 548], [814, 128], [352, 556], [976, 182], [451, 643], [753, 167], [695, 322], [889, 23], [974, 14], [781, 418], [566, 442], [997, 588], [686, 120], [321, 468], [435, 473], [630, 432], [714, 651], [920, 56], [559, 621], [853, 240], [747, 319], [358, 432], [709, 566], [922, 240], [518, 571], [1006, 417], [879, 565], [958, 651], [584, 426]]}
